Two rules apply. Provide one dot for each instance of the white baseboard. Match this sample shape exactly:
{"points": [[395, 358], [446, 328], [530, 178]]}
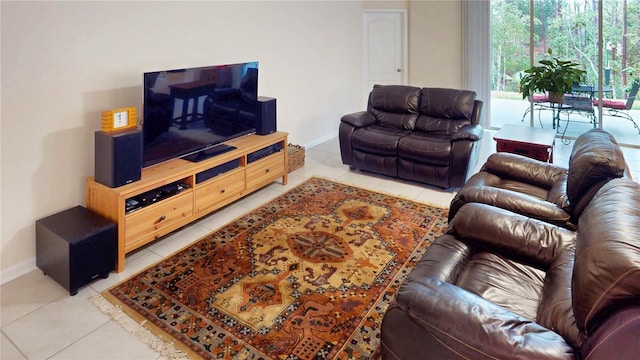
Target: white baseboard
{"points": [[18, 270], [319, 140]]}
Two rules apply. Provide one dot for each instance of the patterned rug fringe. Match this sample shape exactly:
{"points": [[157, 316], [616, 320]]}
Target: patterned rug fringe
{"points": [[165, 348]]}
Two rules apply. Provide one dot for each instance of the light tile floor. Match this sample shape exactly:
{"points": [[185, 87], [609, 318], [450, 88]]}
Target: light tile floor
{"points": [[39, 320]]}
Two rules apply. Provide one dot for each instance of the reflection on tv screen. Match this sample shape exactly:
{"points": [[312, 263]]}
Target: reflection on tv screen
{"points": [[188, 110]]}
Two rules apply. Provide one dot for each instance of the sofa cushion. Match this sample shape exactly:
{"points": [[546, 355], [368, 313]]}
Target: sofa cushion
{"points": [[394, 106], [595, 159], [510, 284], [425, 148], [376, 139], [606, 274], [486, 179], [524, 169], [445, 111]]}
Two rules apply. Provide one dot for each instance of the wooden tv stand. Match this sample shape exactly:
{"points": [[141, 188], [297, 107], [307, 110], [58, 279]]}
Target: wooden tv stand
{"points": [[196, 198]]}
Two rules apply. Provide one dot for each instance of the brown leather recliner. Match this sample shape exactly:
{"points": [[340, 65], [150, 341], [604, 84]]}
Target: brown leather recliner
{"points": [[429, 135], [546, 191], [499, 285]]}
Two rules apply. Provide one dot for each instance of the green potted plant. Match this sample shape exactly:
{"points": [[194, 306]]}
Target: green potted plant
{"points": [[554, 76]]}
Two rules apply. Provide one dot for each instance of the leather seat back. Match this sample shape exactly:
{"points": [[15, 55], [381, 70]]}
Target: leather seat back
{"points": [[394, 106], [445, 111], [606, 273], [595, 159]]}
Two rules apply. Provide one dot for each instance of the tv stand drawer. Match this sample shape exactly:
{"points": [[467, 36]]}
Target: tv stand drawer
{"points": [[264, 171], [217, 193], [149, 224]]}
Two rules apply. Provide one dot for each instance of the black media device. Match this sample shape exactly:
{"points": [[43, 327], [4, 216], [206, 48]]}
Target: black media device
{"points": [[217, 170], [152, 196], [265, 151], [194, 110], [118, 157], [266, 115]]}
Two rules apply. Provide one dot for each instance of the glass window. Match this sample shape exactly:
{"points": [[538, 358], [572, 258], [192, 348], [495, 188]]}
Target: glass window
{"points": [[571, 29]]}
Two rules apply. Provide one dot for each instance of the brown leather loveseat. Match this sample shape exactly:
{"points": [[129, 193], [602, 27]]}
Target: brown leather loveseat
{"points": [[501, 285], [429, 135]]}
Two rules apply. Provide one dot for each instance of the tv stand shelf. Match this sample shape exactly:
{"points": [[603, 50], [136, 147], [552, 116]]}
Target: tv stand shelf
{"points": [[177, 192]]}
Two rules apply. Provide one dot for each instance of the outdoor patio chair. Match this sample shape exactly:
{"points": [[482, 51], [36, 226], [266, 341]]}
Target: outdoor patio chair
{"points": [[620, 108], [540, 102], [581, 103]]}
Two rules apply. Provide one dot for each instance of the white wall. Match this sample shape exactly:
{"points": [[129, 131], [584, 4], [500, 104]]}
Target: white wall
{"points": [[435, 43], [386, 4], [64, 62]]}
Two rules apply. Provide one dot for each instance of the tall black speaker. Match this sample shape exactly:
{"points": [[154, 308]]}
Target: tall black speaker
{"points": [[118, 157], [266, 115]]}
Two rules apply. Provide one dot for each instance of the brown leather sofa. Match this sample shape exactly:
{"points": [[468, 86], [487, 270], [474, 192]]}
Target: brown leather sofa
{"points": [[429, 135], [500, 285], [546, 191]]}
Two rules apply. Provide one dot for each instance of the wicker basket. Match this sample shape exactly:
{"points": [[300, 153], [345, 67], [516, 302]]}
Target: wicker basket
{"points": [[296, 156]]}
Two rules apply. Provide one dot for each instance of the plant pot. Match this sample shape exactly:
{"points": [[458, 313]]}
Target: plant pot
{"points": [[556, 98]]}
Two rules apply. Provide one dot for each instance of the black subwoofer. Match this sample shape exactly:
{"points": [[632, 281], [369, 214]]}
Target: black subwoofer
{"points": [[266, 115], [118, 157], [76, 246]]}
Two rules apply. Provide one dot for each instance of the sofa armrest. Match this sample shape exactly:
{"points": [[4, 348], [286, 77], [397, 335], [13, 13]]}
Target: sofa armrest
{"points": [[514, 201], [513, 235], [522, 168], [359, 119], [438, 320], [472, 132]]}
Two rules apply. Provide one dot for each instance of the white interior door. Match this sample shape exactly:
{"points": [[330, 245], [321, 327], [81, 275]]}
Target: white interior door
{"points": [[385, 59]]}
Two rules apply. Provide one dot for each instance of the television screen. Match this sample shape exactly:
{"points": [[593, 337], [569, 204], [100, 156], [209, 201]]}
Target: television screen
{"points": [[188, 111]]}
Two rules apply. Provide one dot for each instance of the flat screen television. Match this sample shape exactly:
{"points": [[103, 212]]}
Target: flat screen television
{"points": [[190, 112]]}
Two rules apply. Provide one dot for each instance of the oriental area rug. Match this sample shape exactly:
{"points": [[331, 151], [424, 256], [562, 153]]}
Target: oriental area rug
{"points": [[308, 275]]}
